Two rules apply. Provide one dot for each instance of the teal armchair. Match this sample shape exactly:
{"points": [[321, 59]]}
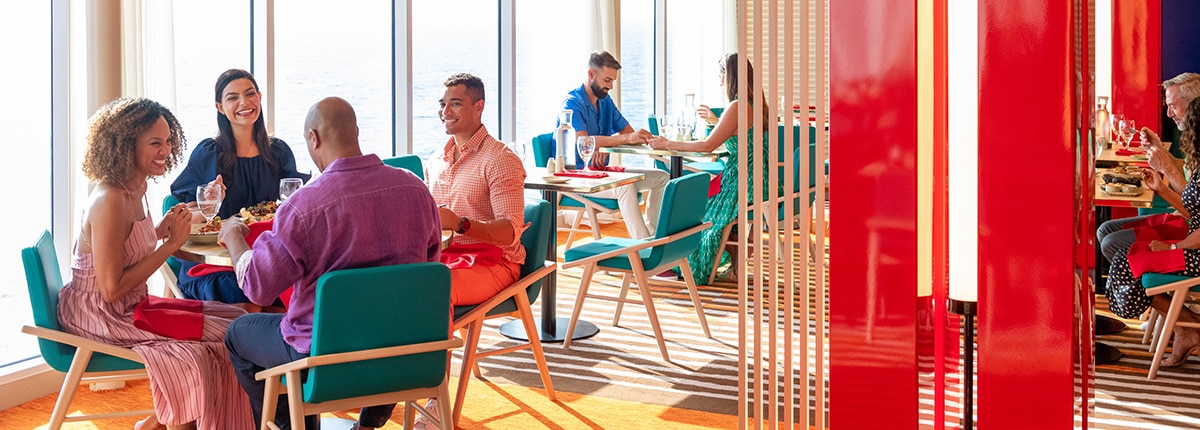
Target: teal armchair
{"points": [[677, 235]]}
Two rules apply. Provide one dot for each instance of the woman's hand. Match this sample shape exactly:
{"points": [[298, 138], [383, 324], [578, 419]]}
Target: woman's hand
{"points": [[1153, 179], [179, 226], [706, 113], [1158, 245], [163, 229], [658, 142]]}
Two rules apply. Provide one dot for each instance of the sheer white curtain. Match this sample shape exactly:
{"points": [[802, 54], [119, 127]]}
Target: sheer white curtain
{"points": [[148, 50]]}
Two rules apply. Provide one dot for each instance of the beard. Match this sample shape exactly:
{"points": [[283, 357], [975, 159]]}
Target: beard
{"points": [[597, 91]]}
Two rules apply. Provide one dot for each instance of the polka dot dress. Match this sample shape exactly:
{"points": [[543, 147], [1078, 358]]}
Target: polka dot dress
{"points": [[1126, 296]]}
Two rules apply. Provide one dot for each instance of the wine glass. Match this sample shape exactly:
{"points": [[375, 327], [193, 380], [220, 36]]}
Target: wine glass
{"points": [[287, 187], [208, 199], [1128, 130], [587, 147]]}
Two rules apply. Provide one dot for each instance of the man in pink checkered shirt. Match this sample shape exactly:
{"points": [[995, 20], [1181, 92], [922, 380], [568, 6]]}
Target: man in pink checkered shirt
{"points": [[479, 185]]}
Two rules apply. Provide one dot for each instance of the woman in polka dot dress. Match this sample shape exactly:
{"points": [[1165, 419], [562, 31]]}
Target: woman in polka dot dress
{"points": [[1126, 296]]}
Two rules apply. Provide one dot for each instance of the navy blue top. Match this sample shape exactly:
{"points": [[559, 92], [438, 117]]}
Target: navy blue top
{"points": [[252, 181], [601, 120]]}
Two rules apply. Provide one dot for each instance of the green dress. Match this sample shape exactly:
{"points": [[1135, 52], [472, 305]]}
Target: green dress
{"points": [[720, 210]]}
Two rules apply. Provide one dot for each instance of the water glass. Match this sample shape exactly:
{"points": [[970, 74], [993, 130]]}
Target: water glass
{"points": [[287, 187], [587, 147], [518, 148], [209, 198]]}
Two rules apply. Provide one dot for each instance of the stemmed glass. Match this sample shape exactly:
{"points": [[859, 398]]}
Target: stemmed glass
{"points": [[587, 147], [287, 187], [208, 199], [1128, 130]]}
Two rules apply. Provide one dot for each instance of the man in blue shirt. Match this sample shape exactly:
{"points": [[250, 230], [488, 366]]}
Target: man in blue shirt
{"points": [[595, 114]]}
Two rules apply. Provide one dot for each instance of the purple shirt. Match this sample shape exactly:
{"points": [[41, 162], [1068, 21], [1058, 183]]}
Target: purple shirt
{"points": [[358, 213]]}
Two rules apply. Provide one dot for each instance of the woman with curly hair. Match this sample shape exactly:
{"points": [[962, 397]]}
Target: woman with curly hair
{"points": [[192, 382], [243, 158], [1127, 298]]}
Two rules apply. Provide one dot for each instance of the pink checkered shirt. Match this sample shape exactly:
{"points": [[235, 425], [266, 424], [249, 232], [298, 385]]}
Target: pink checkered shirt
{"points": [[487, 182]]}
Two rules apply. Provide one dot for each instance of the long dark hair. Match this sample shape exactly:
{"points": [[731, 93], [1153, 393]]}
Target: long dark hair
{"points": [[1190, 142], [729, 68], [226, 144]]}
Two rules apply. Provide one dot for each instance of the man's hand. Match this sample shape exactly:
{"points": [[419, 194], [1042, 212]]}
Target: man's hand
{"points": [[449, 218], [232, 230], [639, 136]]}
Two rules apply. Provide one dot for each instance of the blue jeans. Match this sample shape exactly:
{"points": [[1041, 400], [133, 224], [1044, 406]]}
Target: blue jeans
{"points": [[255, 344]]}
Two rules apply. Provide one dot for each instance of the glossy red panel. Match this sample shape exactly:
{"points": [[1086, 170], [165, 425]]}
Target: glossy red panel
{"points": [[1137, 60], [873, 144], [1029, 314]]}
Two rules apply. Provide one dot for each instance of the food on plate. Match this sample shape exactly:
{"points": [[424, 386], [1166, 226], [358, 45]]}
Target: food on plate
{"points": [[1118, 178], [260, 212], [210, 227], [1127, 188]]}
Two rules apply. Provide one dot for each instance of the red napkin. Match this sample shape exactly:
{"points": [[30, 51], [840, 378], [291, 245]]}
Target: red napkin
{"points": [[174, 318], [462, 256], [610, 168], [1142, 260], [1128, 152], [1158, 227], [714, 185], [591, 174]]}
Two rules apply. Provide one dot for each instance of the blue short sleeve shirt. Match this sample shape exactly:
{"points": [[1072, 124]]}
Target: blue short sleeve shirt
{"points": [[601, 120]]}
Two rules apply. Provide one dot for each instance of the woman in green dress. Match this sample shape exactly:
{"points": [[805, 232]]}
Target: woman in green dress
{"points": [[722, 208]]}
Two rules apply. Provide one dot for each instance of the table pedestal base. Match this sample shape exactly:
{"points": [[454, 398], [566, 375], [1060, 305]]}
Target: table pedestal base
{"points": [[516, 330]]}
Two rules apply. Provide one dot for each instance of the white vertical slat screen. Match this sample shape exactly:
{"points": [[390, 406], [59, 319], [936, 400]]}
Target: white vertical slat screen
{"points": [[783, 332]]}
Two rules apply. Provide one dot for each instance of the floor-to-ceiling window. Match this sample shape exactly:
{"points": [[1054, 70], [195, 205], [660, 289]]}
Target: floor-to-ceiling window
{"points": [[695, 44], [445, 41], [554, 39], [27, 189], [338, 49]]}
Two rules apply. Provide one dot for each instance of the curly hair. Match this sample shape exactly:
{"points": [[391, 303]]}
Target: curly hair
{"points": [[112, 138], [1189, 142]]}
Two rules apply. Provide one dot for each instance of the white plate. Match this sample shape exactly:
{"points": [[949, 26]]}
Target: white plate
{"points": [[1122, 193], [555, 179]]}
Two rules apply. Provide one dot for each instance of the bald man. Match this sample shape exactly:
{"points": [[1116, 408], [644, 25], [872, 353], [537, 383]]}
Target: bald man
{"points": [[358, 213]]}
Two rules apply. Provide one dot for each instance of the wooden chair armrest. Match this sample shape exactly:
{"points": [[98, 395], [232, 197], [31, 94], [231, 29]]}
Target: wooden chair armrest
{"points": [[632, 249], [369, 354], [82, 343], [1183, 285], [509, 291]]}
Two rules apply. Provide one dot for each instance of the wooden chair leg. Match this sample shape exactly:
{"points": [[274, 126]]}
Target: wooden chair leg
{"points": [[295, 400], [574, 228], [717, 259], [446, 417], [270, 402], [692, 291], [644, 288], [75, 374], [535, 343], [1177, 301], [470, 346], [594, 222], [626, 278], [579, 297]]}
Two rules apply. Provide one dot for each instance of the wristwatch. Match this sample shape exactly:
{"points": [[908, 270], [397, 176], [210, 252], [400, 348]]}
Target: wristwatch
{"points": [[464, 224], [1173, 246]]}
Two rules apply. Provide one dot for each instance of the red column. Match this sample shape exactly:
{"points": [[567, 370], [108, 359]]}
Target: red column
{"points": [[1137, 60], [1029, 301], [873, 143]]}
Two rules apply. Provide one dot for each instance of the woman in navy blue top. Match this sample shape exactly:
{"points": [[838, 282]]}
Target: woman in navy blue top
{"points": [[244, 159]]}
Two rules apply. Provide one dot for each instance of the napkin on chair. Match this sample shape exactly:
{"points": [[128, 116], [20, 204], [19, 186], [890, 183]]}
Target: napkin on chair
{"points": [[590, 174]]}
